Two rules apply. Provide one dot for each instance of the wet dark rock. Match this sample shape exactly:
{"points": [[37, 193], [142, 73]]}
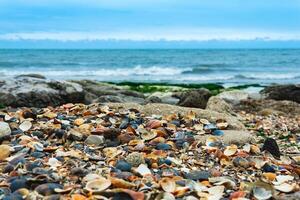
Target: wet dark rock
{"points": [[59, 133], [38, 134], [37, 154], [8, 168], [270, 145], [31, 165], [198, 175], [47, 189], [123, 165], [283, 92], [194, 98], [27, 113], [13, 197]]}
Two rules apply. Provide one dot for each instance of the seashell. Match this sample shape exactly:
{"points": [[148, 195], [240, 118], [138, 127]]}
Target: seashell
{"points": [[4, 151], [283, 178], [38, 146], [90, 177], [120, 183], [111, 152], [261, 193], [241, 162], [247, 148], [135, 159], [254, 149], [25, 126], [237, 195], [222, 125], [210, 141], [148, 135], [269, 176], [98, 185], [226, 181], [168, 185], [50, 115], [48, 188], [78, 197], [285, 187], [296, 159], [198, 127], [204, 121], [191, 115], [143, 170], [216, 191], [153, 124], [78, 121], [54, 163], [230, 150], [258, 162]]}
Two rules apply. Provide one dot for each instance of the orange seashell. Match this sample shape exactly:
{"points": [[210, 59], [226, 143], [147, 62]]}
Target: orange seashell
{"points": [[131, 130], [78, 197], [269, 176], [242, 154], [78, 121], [153, 124], [237, 195], [206, 183], [120, 183], [135, 195]]}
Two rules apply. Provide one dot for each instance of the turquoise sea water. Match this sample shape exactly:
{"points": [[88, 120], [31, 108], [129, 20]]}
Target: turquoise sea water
{"points": [[240, 66]]}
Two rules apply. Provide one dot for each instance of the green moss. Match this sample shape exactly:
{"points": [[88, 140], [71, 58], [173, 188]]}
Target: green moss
{"points": [[2, 106]]}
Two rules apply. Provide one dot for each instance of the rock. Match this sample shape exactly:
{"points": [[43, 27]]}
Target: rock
{"points": [[95, 140], [229, 137], [271, 146], [165, 109], [135, 159], [4, 151], [163, 146], [241, 162], [283, 92], [194, 98], [4, 130], [234, 96], [198, 175], [123, 166], [217, 104], [163, 97], [75, 135], [36, 92]]}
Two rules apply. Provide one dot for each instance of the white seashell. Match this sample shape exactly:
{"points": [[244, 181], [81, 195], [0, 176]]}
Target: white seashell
{"points": [[143, 170], [230, 150], [25, 126], [54, 163], [90, 177], [283, 178], [98, 185], [247, 147], [168, 185], [285, 187], [261, 193]]}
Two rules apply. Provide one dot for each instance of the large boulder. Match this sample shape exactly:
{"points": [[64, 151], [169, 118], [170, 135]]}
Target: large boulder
{"points": [[165, 109], [217, 104], [234, 97], [38, 92], [194, 98], [283, 92], [104, 92]]}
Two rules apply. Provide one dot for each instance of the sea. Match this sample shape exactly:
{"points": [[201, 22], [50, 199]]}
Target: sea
{"points": [[223, 66]]}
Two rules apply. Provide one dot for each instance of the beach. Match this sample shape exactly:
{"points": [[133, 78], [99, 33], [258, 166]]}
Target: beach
{"points": [[85, 139]]}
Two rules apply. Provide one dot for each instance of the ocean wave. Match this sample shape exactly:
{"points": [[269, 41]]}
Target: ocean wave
{"points": [[113, 72], [268, 76]]}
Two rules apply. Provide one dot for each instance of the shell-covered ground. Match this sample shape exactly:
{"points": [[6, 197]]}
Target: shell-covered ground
{"points": [[79, 152]]}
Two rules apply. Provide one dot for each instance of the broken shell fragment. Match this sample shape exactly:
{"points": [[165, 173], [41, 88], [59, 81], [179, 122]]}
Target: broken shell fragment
{"points": [[98, 185], [230, 150], [25, 126], [168, 185]]}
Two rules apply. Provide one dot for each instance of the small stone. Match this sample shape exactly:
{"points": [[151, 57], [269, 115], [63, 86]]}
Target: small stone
{"points": [[123, 166], [75, 135], [95, 140], [198, 175], [4, 129], [241, 162], [4, 151], [135, 159], [271, 146]]}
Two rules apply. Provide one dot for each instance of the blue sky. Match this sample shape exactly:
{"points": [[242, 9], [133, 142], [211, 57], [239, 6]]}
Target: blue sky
{"points": [[93, 21]]}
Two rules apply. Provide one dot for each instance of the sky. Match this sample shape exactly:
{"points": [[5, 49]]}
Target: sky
{"points": [[101, 23]]}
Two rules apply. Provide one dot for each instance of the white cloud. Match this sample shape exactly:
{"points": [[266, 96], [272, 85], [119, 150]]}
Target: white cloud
{"points": [[182, 34]]}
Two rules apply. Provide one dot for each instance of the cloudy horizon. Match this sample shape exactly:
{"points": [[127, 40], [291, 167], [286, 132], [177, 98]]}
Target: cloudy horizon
{"points": [[154, 21]]}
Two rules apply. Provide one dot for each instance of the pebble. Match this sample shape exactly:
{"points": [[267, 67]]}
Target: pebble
{"points": [[95, 140], [123, 165], [241, 162], [197, 175], [4, 129], [135, 159]]}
